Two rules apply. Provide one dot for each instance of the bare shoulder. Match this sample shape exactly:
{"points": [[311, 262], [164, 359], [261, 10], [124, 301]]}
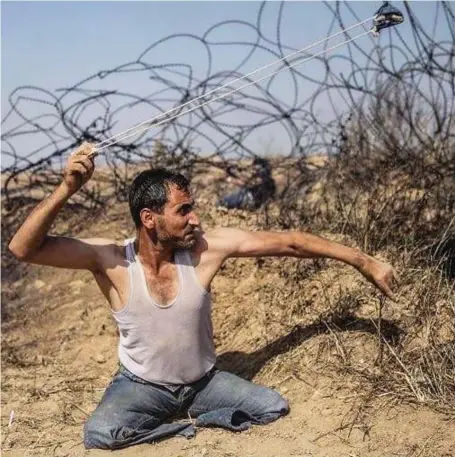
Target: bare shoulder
{"points": [[222, 238], [234, 242], [215, 246], [210, 244], [222, 241], [209, 253]]}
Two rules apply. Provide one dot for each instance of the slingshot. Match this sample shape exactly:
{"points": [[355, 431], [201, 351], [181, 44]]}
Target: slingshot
{"points": [[386, 16]]}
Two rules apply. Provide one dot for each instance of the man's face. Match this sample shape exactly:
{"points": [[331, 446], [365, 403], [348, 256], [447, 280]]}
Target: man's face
{"points": [[176, 226]]}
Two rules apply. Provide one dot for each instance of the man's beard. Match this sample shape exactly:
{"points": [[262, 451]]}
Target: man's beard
{"points": [[185, 244], [167, 240], [176, 243]]}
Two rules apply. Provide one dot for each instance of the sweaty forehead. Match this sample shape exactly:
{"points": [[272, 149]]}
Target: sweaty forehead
{"points": [[177, 196]]}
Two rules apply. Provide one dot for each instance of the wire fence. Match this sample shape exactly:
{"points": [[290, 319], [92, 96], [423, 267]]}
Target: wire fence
{"points": [[379, 103]]}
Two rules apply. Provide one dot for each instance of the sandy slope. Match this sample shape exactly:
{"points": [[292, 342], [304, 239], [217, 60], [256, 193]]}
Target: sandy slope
{"points": [[59, 353]]}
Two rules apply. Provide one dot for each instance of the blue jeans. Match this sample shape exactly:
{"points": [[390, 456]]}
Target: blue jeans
{"points": [[242, 199], [133, 411]]}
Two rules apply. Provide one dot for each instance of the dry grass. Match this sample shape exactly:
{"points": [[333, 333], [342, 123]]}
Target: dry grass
{"points": [[311, 319]]}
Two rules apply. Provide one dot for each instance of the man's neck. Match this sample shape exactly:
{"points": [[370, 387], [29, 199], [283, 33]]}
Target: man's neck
{"points": [[153, 254]]}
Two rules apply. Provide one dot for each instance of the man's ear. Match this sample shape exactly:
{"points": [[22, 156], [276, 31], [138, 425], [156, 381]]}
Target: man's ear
{"points": [[148, 218]]}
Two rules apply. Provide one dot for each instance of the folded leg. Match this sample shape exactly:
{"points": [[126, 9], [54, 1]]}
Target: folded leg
{"points": [[232, 402], [132, 413]]}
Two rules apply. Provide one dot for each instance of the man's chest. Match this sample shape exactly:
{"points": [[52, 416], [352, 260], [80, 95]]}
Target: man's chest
{"points": [[163, 288]]}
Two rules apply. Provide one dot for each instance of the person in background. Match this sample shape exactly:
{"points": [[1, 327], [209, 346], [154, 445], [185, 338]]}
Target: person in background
{"points": [[254, 191]]}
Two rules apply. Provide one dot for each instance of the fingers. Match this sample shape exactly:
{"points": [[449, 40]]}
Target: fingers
{"points": [[386, 283], [387, 291], [396, 276], [383, 276], [87, 162], [82, 166], [79, 168], [82, 157], [85, 149]]}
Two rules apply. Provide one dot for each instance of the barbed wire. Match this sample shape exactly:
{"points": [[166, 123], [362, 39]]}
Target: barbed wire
{"points": [[309, 117]]}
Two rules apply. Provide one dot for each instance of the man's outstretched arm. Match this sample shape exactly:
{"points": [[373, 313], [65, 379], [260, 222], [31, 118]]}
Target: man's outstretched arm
{"points": [[31, 243], [240, 243]]}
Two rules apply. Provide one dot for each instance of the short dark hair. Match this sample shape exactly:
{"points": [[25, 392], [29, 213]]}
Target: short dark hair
{"points": [[150, 189]]}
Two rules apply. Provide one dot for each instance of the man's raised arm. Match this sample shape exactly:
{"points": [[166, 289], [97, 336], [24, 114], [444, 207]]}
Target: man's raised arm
{"points": [[31, 243], [240, 243]]}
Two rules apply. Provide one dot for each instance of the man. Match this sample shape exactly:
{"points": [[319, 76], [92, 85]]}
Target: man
{"points": [[157, 286], [254, 191]]}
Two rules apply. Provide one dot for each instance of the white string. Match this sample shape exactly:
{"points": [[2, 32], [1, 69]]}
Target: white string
{"points": [[124, 135], [228, 84], [228, 93]]}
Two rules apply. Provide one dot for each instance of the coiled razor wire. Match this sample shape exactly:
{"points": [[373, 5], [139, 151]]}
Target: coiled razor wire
{"points": [[243, 118], [146, 125]]}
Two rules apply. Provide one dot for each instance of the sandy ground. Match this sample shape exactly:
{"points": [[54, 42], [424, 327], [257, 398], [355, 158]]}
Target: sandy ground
{"points": [[59, 346]]}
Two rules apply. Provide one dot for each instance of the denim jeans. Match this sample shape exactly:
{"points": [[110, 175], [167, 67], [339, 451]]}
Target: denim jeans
{"points": [[242, 199], [133, 411]]}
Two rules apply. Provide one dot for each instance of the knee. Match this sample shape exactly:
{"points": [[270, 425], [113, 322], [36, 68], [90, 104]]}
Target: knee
{"points": [[275, 408], [280, 405], [97, 435]]}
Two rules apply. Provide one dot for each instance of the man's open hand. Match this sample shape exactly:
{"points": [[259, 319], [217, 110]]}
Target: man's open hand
{"points": [[381, 274], [79, 168]]}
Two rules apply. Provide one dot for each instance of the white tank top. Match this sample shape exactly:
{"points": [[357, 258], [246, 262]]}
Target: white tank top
{"points": [[170, 344]]}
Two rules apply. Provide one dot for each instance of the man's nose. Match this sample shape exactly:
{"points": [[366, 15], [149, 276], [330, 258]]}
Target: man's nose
{"points": [[194, 219]]}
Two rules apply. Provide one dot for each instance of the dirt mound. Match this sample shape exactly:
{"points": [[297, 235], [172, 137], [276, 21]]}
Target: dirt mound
{"points": [[307, 328]]}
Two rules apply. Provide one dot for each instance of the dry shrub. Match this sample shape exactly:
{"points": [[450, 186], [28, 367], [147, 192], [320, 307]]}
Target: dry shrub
{"points": [[423, 366], [391, 192]]}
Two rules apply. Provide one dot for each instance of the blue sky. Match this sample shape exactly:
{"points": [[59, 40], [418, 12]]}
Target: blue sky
{"points": [[56, 44]]}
